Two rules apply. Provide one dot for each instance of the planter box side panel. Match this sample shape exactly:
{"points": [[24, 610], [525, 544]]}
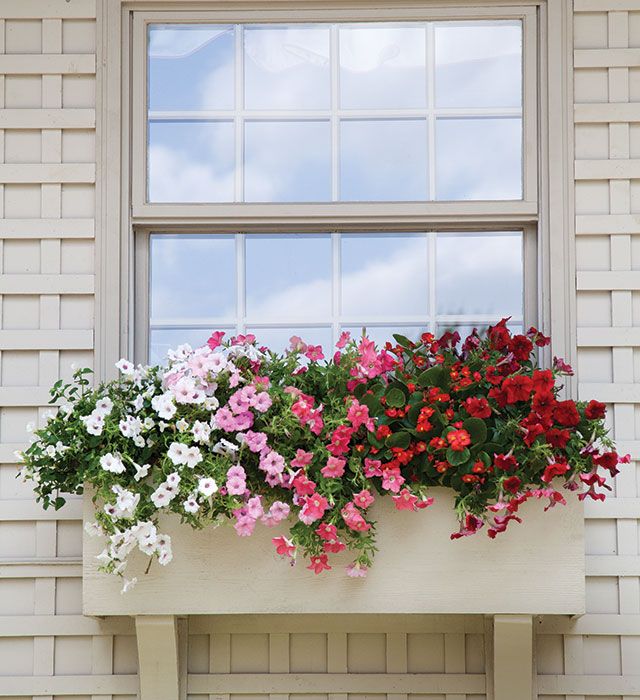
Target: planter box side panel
{"points": [[534, 568]]}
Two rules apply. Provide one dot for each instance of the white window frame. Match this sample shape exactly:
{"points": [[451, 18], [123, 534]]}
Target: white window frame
{"points": [[544, 213]]}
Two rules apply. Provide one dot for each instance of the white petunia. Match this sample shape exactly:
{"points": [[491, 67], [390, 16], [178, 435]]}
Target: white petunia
{"points": [[207, 486], [104, 406], [173, 480], [201, 432], [184, 390], [164, 406], [128, 584], [141, 471], [165, 555], [126, 503], [92, 529], [125, 366], [50, 451], [177, 453], [94, 423], [146, 536], [192, 457], [112, 463], [191, 505], [139, 441], [224, 447], [137, 403], [211, 403], [182, 425], [161, 497], [60, 448]]}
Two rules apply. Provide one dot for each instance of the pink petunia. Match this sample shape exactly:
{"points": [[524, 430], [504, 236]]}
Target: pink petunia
{"points": [[358, 414], [345, 336], [363, 499], [302, 459], [256, 442], [236, 486], [314, 508], [334, 468], [245, 526], [314, 353], [272, 463], [405, 500], [356, 570], [319, 564], [284, 546], [262, 402], [392, 480], [215, 340]]}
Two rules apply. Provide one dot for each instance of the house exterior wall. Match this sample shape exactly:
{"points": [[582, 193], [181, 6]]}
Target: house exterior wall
{"points": [[47, 232]]}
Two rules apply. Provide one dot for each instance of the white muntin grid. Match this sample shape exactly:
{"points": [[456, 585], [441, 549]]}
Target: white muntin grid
{"points": [[335, 115], [335, 321]]}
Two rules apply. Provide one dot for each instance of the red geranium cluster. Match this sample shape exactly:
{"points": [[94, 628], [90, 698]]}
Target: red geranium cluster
{"points": [[482, 418]]}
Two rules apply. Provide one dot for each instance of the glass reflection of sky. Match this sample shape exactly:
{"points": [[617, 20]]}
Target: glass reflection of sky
{"points": [[478, 66], [479, 274], [382, 280], [384, 275], [288, 276], [191, 161], [163, 339], [287, 70], [382, 67], [192, 276], [383, 160], [479, 158], [287, 67], [287, 161], [191, 67]]}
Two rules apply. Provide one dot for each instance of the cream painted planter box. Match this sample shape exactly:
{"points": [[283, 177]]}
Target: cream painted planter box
{"points": [[534, 568]]}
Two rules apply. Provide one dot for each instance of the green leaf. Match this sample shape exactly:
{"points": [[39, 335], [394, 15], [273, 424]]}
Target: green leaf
{"points": [[458, 457], [372, 403], [395, 398], [373, 440], [434, 376], [402, 340], [477, 428], [360, 390], [58, 503], [400, 439]]}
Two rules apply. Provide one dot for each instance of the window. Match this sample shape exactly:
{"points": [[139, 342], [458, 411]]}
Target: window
{"points": [[319, 175]]}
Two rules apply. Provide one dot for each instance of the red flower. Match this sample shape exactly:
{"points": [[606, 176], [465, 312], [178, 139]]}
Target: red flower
{"points": [[566, 413], [458, 439], [553, 470], [477, 407], [492, 375], [521, 347], [499, 396], [558, 438], [507, 463], [533, 431], [518, 388], [543, 403], [319, 564], [511, 484], [595, 410], [538, 338], [609, 461], [499, 335], [543, 380]]}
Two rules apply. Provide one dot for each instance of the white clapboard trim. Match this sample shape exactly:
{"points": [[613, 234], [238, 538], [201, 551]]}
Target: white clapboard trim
{"points": [[28, 173], [47, 118], [608, 169], [8, 450], [47, 64], [300, 622], [589, 685], [47, 228], [24, 509], [63, 625], [606, 5], [47, 284], [600, 624], [125, 684], [606, 112], [606, 58], [48, 9], [41, 568], [608, 280], [322, 683], [54, 339], [24, 396], [627, 336], [613, 507], [598, 224], [611, 565], [609, 393]]}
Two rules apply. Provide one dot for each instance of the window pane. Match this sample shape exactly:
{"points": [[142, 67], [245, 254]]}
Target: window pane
{"points": [[287, 67], [384, 275], [287, 161], [479, 159], [288, 277], [163, 339], [277, 339], [380, 334], [479, 274], [192, 277], [191, 161], [190, 67], [382, 66], [478, 64], [383, 160]]}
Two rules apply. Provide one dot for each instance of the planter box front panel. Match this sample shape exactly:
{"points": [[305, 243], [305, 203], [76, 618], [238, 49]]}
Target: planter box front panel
{"points": [[534, 568]]}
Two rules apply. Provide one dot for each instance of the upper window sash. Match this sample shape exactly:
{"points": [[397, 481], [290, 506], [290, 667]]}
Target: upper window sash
{"points": [[476, 212]]}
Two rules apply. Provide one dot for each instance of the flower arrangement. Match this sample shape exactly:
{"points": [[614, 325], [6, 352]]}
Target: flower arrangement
{"points": [[232, 431]]}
